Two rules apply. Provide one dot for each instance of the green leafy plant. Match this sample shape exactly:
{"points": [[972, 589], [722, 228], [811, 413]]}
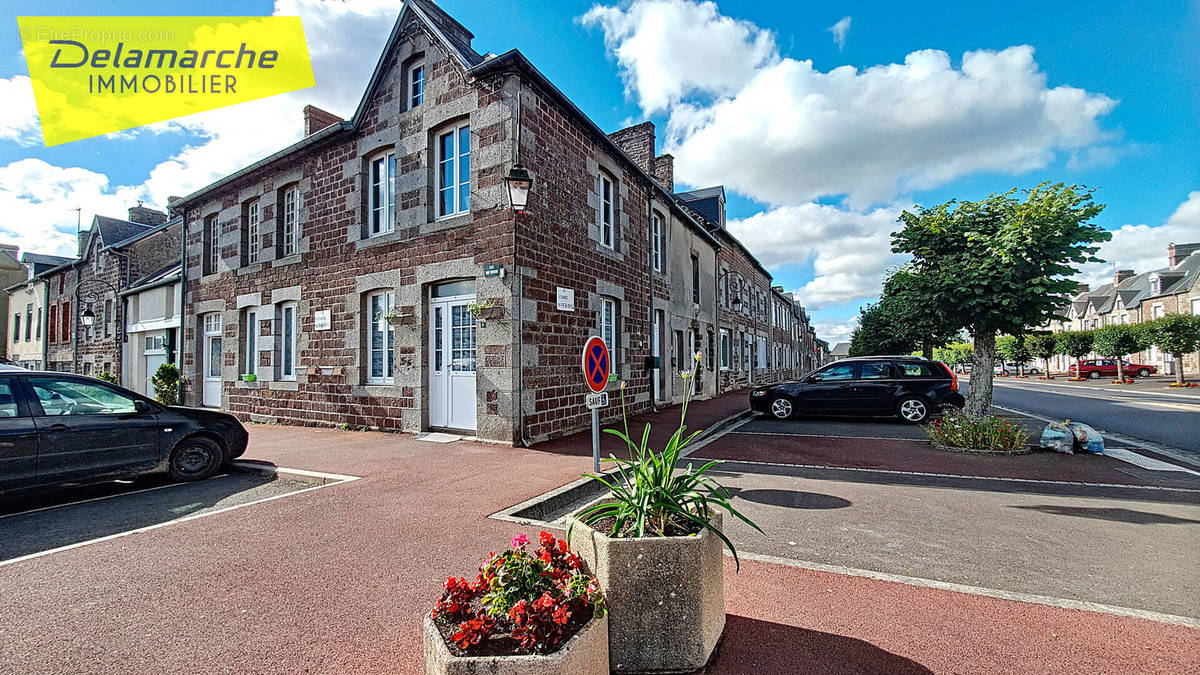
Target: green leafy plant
{"points": [[1176, 334], [109, 377], [477, 308], [651, 498], [167, 383], [1076, 344], [1045, 347], [958, 429], [1116, 342]]}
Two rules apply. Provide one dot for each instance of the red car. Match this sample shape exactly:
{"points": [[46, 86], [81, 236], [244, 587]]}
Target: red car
{"points": [[1097, 368]]}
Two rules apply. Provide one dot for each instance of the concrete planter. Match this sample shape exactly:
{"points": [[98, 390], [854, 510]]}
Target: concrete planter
{"points": [[584, 654], [665, 597]]}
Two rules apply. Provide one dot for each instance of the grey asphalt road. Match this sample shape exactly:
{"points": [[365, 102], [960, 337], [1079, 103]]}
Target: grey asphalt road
{"points": [[1129, 553], [38, 522], [1153, 416]]}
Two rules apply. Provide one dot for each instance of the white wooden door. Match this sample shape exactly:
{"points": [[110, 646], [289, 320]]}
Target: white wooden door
{"points": [[212, 361], [656, 352], [452, 397]]}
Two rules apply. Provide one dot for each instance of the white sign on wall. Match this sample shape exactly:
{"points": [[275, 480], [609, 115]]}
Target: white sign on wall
{"points": [[566, 299], [321, 319]]}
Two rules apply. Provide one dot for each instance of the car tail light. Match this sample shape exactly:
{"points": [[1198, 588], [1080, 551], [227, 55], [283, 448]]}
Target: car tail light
{"points": [[953, 377]]}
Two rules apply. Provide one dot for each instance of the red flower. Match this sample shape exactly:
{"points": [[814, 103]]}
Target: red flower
{"points": [[561, 615]]}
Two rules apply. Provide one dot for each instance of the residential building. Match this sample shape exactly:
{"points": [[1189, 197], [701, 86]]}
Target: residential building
{"points": [[151, 308], [27, 300], [112, 254], [1133, 297], [11, 272]]}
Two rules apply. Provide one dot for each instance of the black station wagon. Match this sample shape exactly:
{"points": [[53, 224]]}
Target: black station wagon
{"points": [[62, 428], [909, 387]]}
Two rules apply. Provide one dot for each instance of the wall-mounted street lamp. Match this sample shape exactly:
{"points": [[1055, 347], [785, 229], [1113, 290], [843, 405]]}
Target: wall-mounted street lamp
{"points": [[519, 183], [737, 284], [88, 317]]}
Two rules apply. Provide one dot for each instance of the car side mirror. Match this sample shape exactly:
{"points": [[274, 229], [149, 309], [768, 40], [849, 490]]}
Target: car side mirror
{"points": [[141, 407]]}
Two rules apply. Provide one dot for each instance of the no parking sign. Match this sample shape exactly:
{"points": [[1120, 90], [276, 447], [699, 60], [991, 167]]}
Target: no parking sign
{"points": [[595, 364]]}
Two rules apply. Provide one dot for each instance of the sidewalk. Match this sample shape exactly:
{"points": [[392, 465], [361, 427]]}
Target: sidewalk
{"points": [[337, 580], [705, 415]]}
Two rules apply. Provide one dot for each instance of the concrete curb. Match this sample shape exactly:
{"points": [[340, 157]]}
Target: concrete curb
{"points": [[295, 475]]}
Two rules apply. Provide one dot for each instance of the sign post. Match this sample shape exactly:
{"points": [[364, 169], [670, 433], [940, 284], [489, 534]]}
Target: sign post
{"points": [[595, 374]]}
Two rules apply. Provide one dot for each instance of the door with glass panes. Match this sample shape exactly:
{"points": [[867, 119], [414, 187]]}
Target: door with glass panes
{"points": [[452, 361], [212, 360]]}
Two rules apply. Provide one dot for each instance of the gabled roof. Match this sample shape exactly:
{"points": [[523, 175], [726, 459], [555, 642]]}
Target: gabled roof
{"points": [[42, 262], [114, 230], [146, 231]]}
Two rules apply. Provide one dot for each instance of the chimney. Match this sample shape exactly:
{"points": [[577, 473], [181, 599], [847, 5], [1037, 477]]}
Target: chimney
{"points": [[1120, 276], [1176, 253], [81, 241], [316, 119], [637, 141], [146, 216], [664, 171]]}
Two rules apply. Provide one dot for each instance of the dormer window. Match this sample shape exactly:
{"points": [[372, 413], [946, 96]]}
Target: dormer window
{"points": [[1156, 284], [416, 85]]}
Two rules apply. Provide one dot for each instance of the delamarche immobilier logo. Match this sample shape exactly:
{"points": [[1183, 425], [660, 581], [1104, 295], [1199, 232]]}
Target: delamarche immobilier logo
{"points": [[96, 75]]}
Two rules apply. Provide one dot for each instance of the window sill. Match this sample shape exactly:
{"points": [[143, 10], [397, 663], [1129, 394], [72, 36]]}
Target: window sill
{"points": [[379, 240], [252, 268], [288, 260]]}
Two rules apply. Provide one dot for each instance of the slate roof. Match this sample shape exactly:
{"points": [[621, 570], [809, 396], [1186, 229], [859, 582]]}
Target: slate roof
{"points": [[114, 230], [167, 275], [705, 201], [1138, 288], [42, 262]]}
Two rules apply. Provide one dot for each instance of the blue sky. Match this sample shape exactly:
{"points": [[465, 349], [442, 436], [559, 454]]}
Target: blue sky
{"points": [[1142, 152]]}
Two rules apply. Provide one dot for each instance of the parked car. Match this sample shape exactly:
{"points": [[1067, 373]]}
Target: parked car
{"points": [[909, 387], [58, 428], [1097, 368], [1011, 368]]}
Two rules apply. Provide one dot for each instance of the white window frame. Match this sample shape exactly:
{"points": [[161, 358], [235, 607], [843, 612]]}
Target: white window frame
{"points": [[416, 84], [607, 229], [607, 323], [377, 323], [288, 343], [251, 327], [253, 237], [291, 220], [658, 243], [212, 231], [456, 169], [381, 213]]}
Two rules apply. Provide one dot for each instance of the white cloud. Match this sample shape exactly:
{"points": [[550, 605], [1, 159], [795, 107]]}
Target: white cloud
{"points": [[839, 30], [18, 115], [849, 250], [783, 132], [668, 48], [1143, 248], [835, 329], [37, 199]]}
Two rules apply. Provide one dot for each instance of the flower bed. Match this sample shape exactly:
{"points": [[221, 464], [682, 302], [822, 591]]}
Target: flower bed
{"points": [[963, 432], [521, 602], [1184, 385], [1128, 380], [1077, 379]]}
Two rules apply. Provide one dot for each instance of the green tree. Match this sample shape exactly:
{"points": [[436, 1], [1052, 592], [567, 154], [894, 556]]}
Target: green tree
{"points": [[1076, 344], [877, 333], [167, 382], [1176, 334], [954, 354], [1118, 341], [897, 324], [1043, 346], [1000, 264], [1012, 348]]}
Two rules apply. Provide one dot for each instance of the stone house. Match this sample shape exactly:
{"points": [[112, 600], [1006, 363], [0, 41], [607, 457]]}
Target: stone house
{"points": [[11, 272], [112, 254], [1133, 297], [151, 308]]}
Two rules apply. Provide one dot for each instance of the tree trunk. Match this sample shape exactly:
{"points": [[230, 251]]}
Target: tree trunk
{"points": [[927, 349], [979, 394], [1121, 369], [1179, 368]]}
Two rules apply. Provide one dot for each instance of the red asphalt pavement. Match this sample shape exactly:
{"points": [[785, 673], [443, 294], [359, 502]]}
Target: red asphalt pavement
{"points": [[336, 580]]}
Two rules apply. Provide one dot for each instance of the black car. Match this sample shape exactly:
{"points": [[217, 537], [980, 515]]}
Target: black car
{"points": [[909, 387], [57, 428]]}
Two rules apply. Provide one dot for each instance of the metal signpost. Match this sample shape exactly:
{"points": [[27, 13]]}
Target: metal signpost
{"points": [[595, 373]]}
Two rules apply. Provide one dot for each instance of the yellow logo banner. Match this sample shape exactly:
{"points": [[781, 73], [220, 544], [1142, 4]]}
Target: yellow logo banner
{"points": [[94, 75]]}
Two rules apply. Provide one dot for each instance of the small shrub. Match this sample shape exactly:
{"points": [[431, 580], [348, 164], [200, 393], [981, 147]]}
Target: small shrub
{"points": [[957, 429], [167, 383], [109, 377]]}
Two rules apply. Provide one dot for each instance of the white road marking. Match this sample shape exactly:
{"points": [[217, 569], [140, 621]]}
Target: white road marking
{"points": [[1120, 390], [1065, 603], [96, 499], [870, 438], [1144, 461], [194, 516]]}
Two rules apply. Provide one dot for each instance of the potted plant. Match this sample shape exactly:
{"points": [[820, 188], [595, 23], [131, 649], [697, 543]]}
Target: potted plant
{"points": [[488, 308], [526, 612], [654, 543], [249, 377]]}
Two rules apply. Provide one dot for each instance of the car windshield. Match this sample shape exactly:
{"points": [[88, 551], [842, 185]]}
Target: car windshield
{"points": [[68, 397]]}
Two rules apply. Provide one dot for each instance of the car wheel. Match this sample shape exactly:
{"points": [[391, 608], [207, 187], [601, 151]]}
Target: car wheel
{"points": [[195, 459], [1095, 375], [1144, 372], [782, 408], [913, 410], [1032, 371]]}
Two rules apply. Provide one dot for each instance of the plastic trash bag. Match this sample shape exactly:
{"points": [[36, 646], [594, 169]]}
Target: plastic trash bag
{"points": [[1059, 438], [1087, 439]]}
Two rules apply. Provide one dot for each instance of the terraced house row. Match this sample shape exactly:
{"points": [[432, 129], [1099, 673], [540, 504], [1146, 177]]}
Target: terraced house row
{"points": [[376, 273]]}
